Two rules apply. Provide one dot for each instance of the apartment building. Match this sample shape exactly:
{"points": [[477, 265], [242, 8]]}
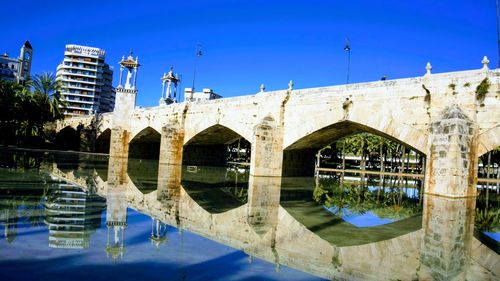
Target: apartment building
{"points": [[86, 81]]}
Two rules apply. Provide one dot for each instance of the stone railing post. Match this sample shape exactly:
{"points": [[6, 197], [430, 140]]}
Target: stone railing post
{"points": [[451, 168]]}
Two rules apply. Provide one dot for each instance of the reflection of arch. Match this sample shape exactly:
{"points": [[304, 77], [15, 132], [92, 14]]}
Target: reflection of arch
{"points": [[299, 156], [213, 190], [143, 174], [68, 139], [102, 142], [342, 233], [145, 144], [209, 147]]}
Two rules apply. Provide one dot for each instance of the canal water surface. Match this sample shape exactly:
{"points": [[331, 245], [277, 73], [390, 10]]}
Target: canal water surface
{"points": [[80, 216]]}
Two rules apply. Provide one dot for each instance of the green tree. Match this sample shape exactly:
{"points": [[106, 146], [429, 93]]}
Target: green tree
{"points": [[49, 88]]}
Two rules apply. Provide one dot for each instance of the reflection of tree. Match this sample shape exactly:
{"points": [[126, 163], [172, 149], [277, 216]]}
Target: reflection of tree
{"points": [[488, 220], [21, 204], [357, 198]]}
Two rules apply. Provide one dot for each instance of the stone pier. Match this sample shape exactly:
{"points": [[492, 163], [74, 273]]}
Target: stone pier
{"points": [[452, 163], [448, 226], [170, 166]]}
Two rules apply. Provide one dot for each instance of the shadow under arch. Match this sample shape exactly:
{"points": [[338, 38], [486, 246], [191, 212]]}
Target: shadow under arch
{"points": [[68, 139], [103, 141], [299, 157], [145, 144], [211, 147]]}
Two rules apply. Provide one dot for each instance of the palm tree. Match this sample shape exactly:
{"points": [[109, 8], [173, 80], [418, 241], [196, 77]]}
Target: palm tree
{"points": [[47, 85]]}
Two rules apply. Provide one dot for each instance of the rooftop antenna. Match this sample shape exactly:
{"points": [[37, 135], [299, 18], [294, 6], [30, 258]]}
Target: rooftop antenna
{"points": [[199, 53], [347, 48]]}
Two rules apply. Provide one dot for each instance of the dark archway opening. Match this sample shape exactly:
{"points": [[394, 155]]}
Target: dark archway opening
{"points": [[217, 146], [68, 139], [145, 145], [144, 152], [102, 142], [215, 169], [301, 157]]}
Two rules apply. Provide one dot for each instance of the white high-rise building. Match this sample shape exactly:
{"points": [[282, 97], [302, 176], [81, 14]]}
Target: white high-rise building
{"points": [[86, 81]]}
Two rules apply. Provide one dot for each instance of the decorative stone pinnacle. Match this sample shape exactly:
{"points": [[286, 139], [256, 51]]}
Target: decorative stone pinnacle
{"points": [[428, 67], [290, 85], [262, 88], [485, 62]]}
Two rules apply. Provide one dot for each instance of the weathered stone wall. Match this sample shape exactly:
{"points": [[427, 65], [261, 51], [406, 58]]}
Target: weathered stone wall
{"points": [[403, 110]]}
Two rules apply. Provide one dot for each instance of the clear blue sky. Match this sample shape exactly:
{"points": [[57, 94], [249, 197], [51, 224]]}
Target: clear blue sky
{"points": [[246, 43]]}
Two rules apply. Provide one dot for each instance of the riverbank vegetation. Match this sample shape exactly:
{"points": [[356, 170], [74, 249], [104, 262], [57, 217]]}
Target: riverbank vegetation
{"points": [[25, 109]]}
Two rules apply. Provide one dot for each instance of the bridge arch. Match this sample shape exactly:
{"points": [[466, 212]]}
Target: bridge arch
{"points": [[102, 141], [321, 137], [68, 138], [145, 144], [489, 140], [212, 147], [299, 156]]}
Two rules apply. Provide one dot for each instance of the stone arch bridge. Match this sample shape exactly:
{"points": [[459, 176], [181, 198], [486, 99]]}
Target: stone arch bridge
{"points": [[452, 118]]}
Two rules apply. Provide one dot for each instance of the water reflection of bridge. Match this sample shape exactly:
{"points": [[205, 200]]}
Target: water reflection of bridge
{"points": [[444, 248]]}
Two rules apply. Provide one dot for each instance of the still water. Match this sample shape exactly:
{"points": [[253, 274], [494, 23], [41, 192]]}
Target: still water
{"points": [[67, 215]]}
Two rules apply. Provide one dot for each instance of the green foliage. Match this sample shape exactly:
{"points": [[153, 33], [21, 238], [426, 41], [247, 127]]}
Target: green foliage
{"points": [[452, 86], [482, 89], [23, 112], [358, 199], [488, 220], [467, 84]]}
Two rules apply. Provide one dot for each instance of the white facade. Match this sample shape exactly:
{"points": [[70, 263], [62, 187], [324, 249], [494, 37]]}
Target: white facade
{"points": [[86, 81], [207, 94]]}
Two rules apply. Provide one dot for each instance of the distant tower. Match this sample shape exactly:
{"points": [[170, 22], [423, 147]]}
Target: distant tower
{"points": [[126, 94], [166, 93], [25, 58]]}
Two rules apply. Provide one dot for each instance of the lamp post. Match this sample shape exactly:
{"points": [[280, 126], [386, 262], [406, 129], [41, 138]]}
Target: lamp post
{"points": [[198, 54], [347, 48]]}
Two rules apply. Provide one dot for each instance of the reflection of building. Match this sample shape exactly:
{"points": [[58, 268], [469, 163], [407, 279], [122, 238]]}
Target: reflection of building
{"points": [[8, 218], [86, 81], [72, 215], [116, 222], [17, 69], [158, 233], [207, 94]]}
